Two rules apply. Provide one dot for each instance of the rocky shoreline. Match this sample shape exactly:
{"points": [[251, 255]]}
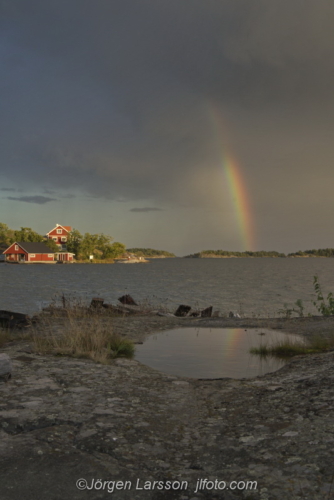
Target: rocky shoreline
{"points": [[167, 437]]}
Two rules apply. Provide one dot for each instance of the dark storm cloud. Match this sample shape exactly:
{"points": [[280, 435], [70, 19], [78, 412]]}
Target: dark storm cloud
{"points": [[40, 200], [113, 98], [146, 209], [8, 189]]}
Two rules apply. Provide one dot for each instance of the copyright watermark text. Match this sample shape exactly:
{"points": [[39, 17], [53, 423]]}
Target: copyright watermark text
{"points": [[201, 485]]}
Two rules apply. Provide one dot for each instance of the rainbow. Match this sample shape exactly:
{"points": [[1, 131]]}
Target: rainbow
{"points": [[232, 339], [240, 201], [235, 182]]}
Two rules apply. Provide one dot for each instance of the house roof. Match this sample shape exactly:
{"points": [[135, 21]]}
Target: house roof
{"points": [[67, 228], [33, 247]]}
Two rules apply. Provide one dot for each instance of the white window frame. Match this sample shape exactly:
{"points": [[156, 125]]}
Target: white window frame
{"points": [[50, 255], [54, 238], [32, 255], [16, 247], [59, 231], [63, 238]]}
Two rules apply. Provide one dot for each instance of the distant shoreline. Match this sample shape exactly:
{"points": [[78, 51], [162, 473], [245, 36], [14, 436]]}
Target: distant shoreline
{"points": [[225, 254], [257, 257]]}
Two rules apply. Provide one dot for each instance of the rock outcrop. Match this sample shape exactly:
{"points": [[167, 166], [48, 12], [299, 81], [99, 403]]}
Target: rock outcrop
{"points": [[63, 420]]}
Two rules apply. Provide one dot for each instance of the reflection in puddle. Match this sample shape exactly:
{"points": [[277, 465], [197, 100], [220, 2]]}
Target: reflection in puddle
{"points": [[211, 352]]}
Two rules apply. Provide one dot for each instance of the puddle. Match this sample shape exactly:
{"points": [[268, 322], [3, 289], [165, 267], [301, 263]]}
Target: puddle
{"points": [[211, 352]]}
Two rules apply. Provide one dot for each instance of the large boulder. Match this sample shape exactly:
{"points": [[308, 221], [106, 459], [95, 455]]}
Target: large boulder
{"points": [[97, 303], [10, 319], [128, 300], [182, 310], [5, 367], [206, 313]]}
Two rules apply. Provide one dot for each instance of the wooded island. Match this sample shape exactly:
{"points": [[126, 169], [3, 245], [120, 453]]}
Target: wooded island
{"points": [[225, 254]]}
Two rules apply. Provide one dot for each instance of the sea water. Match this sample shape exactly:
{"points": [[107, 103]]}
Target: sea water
{"points": [[249, 286]]}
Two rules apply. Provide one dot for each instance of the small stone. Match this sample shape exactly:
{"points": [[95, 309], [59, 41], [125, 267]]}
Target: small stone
{"points": [[292, 460], [246, 439]]}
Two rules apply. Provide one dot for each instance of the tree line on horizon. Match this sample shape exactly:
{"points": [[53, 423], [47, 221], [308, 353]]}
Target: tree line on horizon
{"points": [[149, 252], [322, 252]]}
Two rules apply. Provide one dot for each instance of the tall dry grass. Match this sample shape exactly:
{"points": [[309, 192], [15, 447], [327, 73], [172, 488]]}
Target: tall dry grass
{"points": [[4, 336], [77, 332]]}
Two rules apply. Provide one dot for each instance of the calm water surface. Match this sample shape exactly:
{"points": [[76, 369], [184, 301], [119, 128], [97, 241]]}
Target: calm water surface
{"points": [[211, 353], [250, 286]]}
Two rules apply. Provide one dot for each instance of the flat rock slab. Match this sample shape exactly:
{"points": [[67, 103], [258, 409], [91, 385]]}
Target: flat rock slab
{"points": [[63, 419]]}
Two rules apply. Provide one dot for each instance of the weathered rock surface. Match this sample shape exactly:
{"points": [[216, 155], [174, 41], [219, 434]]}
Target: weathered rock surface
{"points": [[63, 419], [5, 367]]}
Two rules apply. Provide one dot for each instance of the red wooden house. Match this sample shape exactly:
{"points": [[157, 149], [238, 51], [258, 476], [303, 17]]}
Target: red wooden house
{"points": [[27, 251], [59, 235]]}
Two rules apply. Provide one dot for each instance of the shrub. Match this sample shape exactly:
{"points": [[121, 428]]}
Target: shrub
{"points": [[325, 308]]}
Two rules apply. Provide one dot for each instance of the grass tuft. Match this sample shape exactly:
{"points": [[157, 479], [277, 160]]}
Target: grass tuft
{"points": [[121, 347], [287, 348], [262, 350], [89, 337]]}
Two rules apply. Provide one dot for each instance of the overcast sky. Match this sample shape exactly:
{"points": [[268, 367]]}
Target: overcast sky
{"points": [[116, 117]]}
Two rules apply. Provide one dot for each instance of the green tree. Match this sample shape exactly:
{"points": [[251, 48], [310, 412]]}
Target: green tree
{"points": [[88, 245], [113, 251], [74, 240], [27, 234], [98, 245], [6, 236], [51, 244]]}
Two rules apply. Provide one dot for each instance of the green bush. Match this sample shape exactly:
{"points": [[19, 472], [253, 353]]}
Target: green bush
{"points": [[324, 306], [119, 346]]}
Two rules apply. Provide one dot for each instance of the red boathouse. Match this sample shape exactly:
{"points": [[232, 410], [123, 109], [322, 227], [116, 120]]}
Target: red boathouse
{"points": [[26, 251]]}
